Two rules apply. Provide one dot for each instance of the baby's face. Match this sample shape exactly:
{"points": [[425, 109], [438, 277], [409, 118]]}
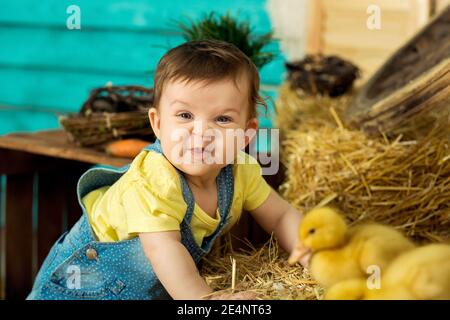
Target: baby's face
{"points": [[201, 125]]}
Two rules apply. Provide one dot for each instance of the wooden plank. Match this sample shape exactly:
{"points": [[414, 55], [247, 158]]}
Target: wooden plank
{"points": [[13, 120], [357, 26], [358, 23], [2, 240], [51, 208], [360, 53], [349, 5], [136, 15], [315, 25], [420, 15], [51, 143], [413, 80], [26, 162], [19, 196], [54, 144], [380, 41], [72, 51], [33, 75], [399, 20], [111, 49], [65, 90], [73, 209], [56, 90]]}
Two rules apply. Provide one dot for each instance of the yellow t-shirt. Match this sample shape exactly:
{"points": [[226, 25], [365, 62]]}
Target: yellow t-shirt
{"points": [[148, 198]]}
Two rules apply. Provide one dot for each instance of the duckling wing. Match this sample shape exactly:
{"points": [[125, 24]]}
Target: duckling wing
{"points": [[424, 272], [433, 284], [329, 267], [377, 245], [351, 289]]}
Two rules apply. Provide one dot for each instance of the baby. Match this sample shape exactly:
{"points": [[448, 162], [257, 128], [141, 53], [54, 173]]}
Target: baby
{"points": [[146, 226]]}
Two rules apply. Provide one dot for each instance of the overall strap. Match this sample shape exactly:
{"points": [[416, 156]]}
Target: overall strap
{"points": [[101, 176], [92, 179], [225, 188], [225, 191]]}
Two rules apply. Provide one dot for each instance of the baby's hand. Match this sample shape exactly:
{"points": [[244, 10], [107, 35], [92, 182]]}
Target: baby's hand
{"points": [[243, 295]]}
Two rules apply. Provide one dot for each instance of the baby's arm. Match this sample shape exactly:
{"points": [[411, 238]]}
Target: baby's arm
{"points": [[278, 216], [173, 265], [175, 268]]}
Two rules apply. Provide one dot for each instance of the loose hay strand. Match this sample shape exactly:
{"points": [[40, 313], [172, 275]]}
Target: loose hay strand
{"points": [[264, 271], [233, 274]]}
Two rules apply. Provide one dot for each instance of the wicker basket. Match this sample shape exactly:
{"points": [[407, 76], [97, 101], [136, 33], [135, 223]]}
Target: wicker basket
{"points": [[111, 113], [322, 75]]}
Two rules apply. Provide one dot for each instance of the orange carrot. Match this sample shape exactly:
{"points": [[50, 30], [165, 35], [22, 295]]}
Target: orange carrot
{"points": [[127, 148]]}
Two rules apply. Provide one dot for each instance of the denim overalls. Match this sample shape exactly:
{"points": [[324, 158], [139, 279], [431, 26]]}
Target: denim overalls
{"points": [[80, 267]]}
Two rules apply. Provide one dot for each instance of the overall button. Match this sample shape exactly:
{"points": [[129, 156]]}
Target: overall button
{"points": [[91, 254]]}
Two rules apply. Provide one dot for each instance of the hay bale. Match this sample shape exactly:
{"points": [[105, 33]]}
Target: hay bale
{"points": [[401, 179], [296, 110]]}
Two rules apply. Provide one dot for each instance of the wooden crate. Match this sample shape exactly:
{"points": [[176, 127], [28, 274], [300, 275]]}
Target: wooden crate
{"points": [[42, 170], [340, 27]]}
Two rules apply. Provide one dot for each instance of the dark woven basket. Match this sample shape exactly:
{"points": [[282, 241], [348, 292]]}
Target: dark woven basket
{"points": [[111, 113], [322, 75]]}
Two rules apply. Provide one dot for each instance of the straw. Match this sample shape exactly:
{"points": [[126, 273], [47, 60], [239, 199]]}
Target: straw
{"points": [[401, 178], [264, 271]]}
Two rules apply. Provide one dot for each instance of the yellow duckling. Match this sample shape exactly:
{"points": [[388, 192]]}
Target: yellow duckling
{"points": [[351, 289], [341, 253], [422, 273]]}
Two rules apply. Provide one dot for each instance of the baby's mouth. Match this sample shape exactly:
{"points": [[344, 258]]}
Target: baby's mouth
{"points": [[197, 150], [200, 153]]}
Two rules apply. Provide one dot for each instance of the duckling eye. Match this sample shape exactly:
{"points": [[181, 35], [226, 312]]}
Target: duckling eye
{"points": [[312, 231]]}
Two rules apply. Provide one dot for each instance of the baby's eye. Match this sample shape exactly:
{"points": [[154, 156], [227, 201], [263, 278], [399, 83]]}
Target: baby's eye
{"points": [[223, 119], [185, 115]]}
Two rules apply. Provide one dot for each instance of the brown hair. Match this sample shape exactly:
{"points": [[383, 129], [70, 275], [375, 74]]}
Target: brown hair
{"points": [[208, 60]]}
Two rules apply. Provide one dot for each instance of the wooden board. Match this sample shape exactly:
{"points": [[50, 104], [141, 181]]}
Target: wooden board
{"points": [[415, 79], [340, 28], [44, 65], [54, 144], [2, 242], [18, 246]]}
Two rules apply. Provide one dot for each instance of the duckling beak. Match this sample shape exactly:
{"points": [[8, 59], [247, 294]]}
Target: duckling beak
{"points": [[299, 252]]}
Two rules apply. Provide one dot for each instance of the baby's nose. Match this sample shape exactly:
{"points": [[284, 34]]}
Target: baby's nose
{"points": [[200, 127], [202, 134]]}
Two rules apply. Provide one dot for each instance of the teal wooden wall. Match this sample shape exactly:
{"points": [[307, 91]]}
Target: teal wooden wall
{"points": [[47, 69]]}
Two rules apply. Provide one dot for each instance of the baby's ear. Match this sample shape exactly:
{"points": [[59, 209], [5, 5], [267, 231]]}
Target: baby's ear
{"points": [[155, 120]]}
